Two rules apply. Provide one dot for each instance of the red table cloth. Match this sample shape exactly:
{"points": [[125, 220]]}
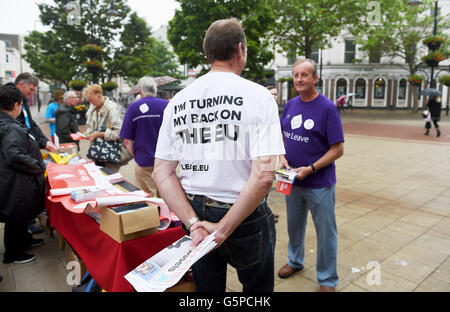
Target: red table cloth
{"points": [[107, 260]]}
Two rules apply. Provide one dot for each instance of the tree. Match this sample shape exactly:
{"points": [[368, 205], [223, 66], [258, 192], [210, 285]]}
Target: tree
{"points": [[142, 55], [306, 25], [398, 34], [188, 27], [119, 40]]}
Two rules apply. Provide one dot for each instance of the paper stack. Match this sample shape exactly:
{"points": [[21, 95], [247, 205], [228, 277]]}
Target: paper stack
{"points": [[167, 267]]}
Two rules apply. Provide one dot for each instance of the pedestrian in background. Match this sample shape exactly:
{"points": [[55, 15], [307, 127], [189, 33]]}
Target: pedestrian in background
{"points": [[140, 129], [314, 118], [434, 107], [22, 186], [58, 99], [66, 119], [214, 192]]}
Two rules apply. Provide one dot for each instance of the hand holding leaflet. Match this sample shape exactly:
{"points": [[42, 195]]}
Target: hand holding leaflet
{"points": [[167, 267]]}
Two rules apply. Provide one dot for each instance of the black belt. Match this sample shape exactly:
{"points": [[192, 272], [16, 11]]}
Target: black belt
{"points": [[208, 201]]}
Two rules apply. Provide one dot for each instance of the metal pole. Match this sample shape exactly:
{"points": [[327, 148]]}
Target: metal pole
{"points": [[433, 80]]}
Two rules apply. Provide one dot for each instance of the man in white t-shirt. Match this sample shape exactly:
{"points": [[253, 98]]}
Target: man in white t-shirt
{"points": [[224, 132]]}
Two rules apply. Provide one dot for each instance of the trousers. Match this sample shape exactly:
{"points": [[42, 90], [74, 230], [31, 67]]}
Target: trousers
{"points": [[250, 249], [320, 202]]}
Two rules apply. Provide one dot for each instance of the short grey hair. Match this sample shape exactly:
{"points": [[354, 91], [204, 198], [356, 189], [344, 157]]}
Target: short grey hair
{"points": [[26, 78], [307, 60], [68, 94], [147, 85]]}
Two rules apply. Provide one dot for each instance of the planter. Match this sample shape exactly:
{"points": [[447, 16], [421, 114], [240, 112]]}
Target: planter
{"points": [[92, 50], [93, 53], [445, 79], [415, 80], [433, 42], [77, 84], [433, 46], [109, 86], [432, 63], [93, 69], [77, 88]]}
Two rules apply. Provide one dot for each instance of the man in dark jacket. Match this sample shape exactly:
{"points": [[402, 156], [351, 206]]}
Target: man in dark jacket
{"points": [[66, 120], [22, 187], [27, 84]]}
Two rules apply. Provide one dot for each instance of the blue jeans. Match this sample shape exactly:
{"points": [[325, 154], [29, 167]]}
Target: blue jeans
{"points": [[249, 249], [321, 203]]}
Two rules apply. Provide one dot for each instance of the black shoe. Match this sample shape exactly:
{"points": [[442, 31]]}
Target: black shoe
{"points": [[36, 242], [23, 258], [32, 229], [438, 133], [427, 132]]}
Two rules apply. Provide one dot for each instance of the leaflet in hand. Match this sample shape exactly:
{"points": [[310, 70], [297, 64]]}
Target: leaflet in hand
{"points": [[286, 175], [285, 178], [168, 266], [79, 136]]}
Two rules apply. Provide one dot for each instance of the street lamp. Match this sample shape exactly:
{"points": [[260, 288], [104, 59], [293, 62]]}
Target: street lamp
{"points": [[432, 78], [112, 12]]}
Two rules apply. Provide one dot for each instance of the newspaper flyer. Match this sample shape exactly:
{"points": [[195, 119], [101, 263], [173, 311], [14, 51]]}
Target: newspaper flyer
{"points": [[167, 267]]}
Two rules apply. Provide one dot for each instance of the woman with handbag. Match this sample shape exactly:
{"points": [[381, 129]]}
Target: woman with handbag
{"points": [[103, 126], [22, 186]]}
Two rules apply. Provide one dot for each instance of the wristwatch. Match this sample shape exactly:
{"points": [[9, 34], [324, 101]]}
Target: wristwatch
{"points": [[313, 168], [191, 222]]}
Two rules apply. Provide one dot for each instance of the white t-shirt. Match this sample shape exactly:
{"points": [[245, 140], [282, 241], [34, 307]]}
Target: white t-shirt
{"points": [[214, 128]]}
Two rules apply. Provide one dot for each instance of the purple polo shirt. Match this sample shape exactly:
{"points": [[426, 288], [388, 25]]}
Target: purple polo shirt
{"points": [[141, 124], [309, 130]]}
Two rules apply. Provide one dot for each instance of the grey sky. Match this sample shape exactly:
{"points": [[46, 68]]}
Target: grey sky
{"points": [[22, 16]]}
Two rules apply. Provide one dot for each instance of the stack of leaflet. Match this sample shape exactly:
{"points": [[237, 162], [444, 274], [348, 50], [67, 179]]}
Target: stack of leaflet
{"points": [[167, 267], [285, 178]]}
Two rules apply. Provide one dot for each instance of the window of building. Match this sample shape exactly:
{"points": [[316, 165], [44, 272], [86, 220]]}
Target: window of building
{"points": [[360, 89], [341, 87], [350, 50], [402, 89], [379, 90], [315, 55], [292, 56]]}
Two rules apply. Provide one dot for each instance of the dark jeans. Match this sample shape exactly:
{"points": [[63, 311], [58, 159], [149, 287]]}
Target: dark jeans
{"points": [[16, 239], [249, 249]]}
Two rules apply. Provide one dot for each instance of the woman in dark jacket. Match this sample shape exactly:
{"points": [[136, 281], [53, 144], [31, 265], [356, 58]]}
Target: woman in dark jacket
{"points": [[22, 187]]}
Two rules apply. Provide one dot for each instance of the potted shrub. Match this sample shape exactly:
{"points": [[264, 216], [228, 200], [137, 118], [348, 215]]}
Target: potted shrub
{"points": [[77, 84], [92, 50], [415, 80], [93, 65], [445, 79], [109, 86], [433, 42], [433, 58]]}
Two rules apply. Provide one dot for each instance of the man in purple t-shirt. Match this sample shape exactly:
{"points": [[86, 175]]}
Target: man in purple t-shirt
{"points": [[313, 138], [140, 129]]}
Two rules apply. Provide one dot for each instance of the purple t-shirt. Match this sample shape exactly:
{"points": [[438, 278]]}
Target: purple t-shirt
{"points": [[309, 130], [141, 124]]}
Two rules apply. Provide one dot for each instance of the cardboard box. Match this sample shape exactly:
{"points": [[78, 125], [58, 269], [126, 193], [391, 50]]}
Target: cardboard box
{"points": [[71, 255], [45, 223], [69, 148], [131, 224]]}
